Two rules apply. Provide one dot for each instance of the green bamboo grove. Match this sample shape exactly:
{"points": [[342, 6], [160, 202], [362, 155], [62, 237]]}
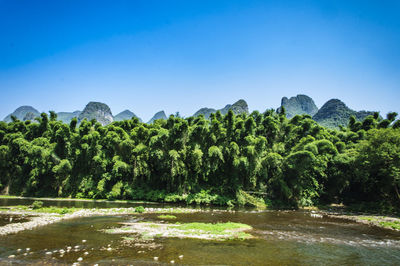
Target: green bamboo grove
{"points": [[225, 160]]}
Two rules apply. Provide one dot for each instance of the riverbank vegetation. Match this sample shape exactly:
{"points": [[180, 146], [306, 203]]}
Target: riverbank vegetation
{"points": [[382, 221], [257, 159]]}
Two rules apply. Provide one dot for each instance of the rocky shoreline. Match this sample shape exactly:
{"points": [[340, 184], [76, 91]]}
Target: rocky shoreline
{"points": [[385, 222], [40, 219], [35, 221]]}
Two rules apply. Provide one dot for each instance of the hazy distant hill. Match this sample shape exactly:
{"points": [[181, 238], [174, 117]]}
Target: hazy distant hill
{"points": [[237, 108], [335, 113], [158, 115], [21, 113], [66, 117], [125, 115], [205, 111], [299, 105], [96, 110]]}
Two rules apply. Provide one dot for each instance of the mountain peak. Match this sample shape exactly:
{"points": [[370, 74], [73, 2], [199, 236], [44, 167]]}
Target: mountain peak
{"points": [[238, 107], [125, 115], [298, 105], [21, 113], [158, 115], [205, 111], [66, 117], [97, 110], [335, 113]]}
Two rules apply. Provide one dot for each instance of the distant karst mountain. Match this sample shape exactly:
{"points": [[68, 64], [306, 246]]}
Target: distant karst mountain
{"points": [[237, 108], [93, 110], [158, 115], [332, 114], [125, 115], [205, 111], [299, 105], [23, 113], [335, 113], [96, 110], [66, 117], [30, 116]]}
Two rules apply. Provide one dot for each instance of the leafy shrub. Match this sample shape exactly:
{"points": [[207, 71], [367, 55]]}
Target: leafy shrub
{"points": [[37, 204], [203, 197], [155, 195], [175, 197], [80, 195], [140, 209], [64, 211], [224, 201], [115, 192], [245, 199]]}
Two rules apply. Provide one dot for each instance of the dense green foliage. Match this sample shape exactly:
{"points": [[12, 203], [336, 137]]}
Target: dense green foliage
{"points": [[227, 160]]}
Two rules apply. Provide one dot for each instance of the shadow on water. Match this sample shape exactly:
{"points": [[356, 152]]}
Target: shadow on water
{"points": [[79, 203], [13, 218], [281, 237]]}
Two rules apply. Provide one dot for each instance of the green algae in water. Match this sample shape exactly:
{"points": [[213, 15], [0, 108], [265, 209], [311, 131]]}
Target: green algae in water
{"points": [[368, 218], [140, 209], [207, 231], [167, 216], [393, 225], [217, 228], [382, 222]]}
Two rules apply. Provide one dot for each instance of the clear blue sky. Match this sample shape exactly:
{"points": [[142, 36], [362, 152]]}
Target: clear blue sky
{"points": [[149, 55]]}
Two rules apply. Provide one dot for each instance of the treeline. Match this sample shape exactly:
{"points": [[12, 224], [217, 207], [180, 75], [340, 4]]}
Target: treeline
{"points": [[231, 159]]}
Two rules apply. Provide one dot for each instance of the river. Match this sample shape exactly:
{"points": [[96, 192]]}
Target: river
{"points": [[280, 238]]}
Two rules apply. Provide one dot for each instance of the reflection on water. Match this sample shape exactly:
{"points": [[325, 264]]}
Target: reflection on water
{"points": [[292, 237], [78, 203]]}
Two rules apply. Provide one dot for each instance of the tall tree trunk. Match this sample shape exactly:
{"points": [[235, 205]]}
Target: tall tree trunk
{"points": [[397, 191]]}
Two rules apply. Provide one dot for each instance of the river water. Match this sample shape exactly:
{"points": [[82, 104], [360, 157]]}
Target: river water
{"points": [[281, 238]]}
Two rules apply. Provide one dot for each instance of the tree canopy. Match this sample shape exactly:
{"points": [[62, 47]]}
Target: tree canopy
{"points": [[294, 162]]}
